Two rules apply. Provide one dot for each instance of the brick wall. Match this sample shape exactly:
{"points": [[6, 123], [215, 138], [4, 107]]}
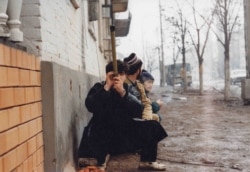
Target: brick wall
{"points": [[21, 137]]}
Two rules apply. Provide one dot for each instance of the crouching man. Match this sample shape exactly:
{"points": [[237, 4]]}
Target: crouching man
{"points": [[114, 128]]}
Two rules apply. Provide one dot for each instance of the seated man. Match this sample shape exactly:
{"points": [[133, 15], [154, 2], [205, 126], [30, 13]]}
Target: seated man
{"points": [[112, 129], [136, 87]]}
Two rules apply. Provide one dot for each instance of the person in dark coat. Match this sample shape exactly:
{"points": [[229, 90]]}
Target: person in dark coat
{"points": [[137, 89], [116, 126]]}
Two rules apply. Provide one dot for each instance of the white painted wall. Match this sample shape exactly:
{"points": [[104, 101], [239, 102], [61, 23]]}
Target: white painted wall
{"points": [[57, 32]]}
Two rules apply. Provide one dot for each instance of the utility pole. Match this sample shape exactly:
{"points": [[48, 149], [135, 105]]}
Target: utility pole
{"points": [[161, 61]]}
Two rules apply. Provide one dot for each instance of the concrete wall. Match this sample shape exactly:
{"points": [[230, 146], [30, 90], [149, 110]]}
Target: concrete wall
{"points": [[63, 91]]}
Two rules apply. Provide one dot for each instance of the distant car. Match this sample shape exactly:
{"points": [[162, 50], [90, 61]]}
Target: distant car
{"points": [[237, 75]]}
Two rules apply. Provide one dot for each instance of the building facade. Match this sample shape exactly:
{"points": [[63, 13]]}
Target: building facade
{"points": [[51, 53]]}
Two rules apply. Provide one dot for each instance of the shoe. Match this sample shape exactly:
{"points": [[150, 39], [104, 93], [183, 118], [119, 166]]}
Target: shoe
{"points": [[84, 162], [152, 166], [103, 166]]}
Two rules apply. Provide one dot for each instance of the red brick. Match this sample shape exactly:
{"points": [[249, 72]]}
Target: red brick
{"points": [[23, 132], [39, 78], [25, 166], [33, 78], [6, 97], [3, 120], [13, 57], [40, 155], [3, 148], [14, 170], [25, 113], [13, 76], [24, 77], [7, 55], [30, 164], [40, 167], [38, 64], [11, 138], [31, 145], [3, 76], [37, 92], [19, 94], [1, 163], [14, 116], [19, 168], [19, 54], [22, 153], [10, 160], [39, 124], [39, 108], [29, 95], [33, 128], [34, 160], [27, 60], [33, 110], [33, 62], [2, 61], [39, 140]]}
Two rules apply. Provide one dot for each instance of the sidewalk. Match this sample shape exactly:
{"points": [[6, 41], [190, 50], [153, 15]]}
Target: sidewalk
{"points": [[206, 134]]}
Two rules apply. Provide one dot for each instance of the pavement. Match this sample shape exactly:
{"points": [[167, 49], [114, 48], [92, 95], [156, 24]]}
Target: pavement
{"points": [[206, 134]]}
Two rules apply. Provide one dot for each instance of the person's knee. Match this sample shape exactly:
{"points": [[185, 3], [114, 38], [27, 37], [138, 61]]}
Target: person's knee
{"points": [[155, 117]]}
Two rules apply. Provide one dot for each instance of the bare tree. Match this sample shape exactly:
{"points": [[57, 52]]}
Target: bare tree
{"points": [[227, 14], [175, 52], [198, 42], [151, 59], [181, 25]]}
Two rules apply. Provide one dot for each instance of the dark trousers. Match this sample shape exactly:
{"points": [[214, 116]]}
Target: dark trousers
{"points": [[147, 135], [142, 136]]}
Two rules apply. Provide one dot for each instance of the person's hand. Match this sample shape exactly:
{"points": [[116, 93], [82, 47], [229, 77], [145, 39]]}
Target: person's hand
{"points": [[118, 85], [109, 81], [160, 102]]}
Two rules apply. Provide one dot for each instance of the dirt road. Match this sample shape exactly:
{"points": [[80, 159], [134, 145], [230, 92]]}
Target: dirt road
{"points": [[206, 134]]}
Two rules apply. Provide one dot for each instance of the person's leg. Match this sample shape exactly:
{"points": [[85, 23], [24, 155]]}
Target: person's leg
{"points": [[149, 133], [149, 152]]}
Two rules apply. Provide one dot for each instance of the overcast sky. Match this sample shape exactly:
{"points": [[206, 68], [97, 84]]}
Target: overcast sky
{"points": [[145, 25], [144, 33], [144, 30]]}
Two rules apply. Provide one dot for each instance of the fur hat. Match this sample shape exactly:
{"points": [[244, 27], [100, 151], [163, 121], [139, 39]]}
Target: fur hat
{"points": [[145, 75], [121, 67], [134, 63]]}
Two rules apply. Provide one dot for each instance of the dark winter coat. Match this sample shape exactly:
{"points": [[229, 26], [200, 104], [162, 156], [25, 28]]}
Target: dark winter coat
{"points": [[113, 129]]}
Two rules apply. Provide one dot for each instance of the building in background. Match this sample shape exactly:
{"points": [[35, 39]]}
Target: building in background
{"points": [[51, 52]]}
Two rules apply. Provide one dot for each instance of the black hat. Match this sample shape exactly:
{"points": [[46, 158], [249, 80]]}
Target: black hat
{"points": [[134, 63], [121, 67], [145, 75]]}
